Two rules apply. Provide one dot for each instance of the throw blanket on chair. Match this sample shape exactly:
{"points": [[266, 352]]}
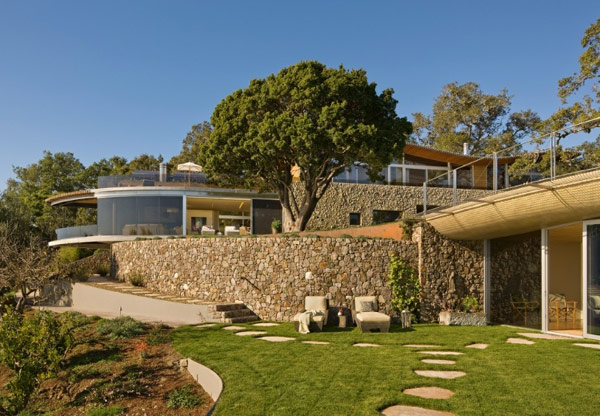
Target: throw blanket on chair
{"points": [[304, 320]]}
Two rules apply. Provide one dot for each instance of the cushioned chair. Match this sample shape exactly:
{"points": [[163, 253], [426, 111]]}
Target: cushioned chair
{"points": [[314, 303], [594, 308], [366, 315]]}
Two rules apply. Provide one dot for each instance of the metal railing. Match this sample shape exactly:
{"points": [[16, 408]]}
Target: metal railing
{"points": [[545, 144], [149, 178], [77, 231]]}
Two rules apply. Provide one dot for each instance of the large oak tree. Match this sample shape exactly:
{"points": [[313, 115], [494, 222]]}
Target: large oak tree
{"points": [[318, 119]]}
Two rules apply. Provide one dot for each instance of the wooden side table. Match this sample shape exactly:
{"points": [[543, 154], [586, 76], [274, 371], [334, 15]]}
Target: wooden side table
{"points": [[343, 321]]}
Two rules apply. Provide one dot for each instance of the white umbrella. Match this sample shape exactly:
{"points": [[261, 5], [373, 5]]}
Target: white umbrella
{"points": [[189, 167]]}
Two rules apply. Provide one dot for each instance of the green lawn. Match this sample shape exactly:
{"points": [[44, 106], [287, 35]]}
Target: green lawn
{"points": [[551, 377]]}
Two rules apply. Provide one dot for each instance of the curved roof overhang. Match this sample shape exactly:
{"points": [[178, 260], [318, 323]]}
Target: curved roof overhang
{"points": [[85, 199], [547, 203], [451, 157]]}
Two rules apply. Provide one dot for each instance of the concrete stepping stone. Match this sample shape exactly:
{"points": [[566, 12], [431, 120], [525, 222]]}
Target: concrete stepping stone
{"points": [[478, 346], [440, 374], [430, 392], [365, 344], [519, 341], [316, 342], [233, 328], [539, 335], [205, 325], [594, 346], [431, 361], [153, 295], [422, 346], [399, 410], [265, 324], [441, 352], [277, 339], [194, 301], [250, 333]]}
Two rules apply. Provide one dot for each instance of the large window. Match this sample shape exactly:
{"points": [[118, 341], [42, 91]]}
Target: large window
{"points": [[382, 216], [140, 215]]}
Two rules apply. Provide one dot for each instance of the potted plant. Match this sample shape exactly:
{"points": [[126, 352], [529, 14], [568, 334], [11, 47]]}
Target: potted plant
{"points": [[467, 314], [275, 226]]}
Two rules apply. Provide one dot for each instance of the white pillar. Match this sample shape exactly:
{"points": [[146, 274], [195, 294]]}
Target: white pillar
{"points": [[184, 213]]}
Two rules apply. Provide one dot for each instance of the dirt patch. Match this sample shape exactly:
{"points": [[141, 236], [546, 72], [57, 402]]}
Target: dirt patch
{"points": [[137, 373]]}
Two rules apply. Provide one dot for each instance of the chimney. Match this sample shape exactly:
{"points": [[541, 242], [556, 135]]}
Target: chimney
{"points": [[466, 149], [162, 172]]}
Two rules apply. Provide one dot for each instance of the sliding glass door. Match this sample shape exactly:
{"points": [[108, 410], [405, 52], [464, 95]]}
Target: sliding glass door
{"points": [[591, 237]]}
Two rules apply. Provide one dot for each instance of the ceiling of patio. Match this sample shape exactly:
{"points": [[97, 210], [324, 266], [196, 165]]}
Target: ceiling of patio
{"points": [[217, 204], [548, 203]]}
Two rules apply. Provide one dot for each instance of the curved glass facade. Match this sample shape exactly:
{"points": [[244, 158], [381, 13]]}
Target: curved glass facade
{"points": [[140, 215]]}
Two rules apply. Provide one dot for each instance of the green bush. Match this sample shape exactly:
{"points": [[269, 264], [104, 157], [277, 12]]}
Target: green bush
{"points": [[76, 318], [470, 303], [157, 337], [33, 348], [405, 286], [122, 327], [183, 397], [67, 255], [106, 411], [103, 270], [136, 279]]}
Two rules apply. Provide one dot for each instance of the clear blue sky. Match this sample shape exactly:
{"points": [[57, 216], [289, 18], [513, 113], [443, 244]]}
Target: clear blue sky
{"points": [[130, 77]]}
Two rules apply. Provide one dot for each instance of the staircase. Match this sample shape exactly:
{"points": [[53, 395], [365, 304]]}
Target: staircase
{"points": [[233, 313]]}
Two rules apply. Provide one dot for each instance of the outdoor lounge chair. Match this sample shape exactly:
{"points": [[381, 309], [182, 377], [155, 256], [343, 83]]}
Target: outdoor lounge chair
{"points": [[366, 315], [207, 230], [314, 303]]}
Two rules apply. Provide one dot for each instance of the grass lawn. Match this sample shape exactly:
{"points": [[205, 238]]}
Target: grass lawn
{"points": [[551, 377]]}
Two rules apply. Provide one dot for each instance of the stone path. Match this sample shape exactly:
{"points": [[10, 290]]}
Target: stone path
{"points": [[422, 346], [440, 374], [478, 346], [539, 335], [594, 346], [205, 325], [249, 333], [266, 324], [316, 342], [275, 339], [233, 328], [365, 344], [445, 362], [519, 341], [441, 352], [412, 411], [430, 392]]}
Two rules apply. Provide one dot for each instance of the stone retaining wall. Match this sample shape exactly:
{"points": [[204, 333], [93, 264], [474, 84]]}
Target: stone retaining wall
{"points": [[271, 275]]}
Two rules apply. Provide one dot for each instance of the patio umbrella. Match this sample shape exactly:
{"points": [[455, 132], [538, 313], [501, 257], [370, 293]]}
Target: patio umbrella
{"points": [[189, 167]]}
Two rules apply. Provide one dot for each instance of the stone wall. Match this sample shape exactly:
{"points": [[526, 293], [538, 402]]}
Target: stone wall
{"points": [[448, 269], [268, 274], [515, 275], [341, 199]]}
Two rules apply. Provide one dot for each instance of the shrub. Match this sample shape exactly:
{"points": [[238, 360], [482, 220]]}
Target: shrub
{"points": [[136, 279], [33, 348], [183, 397], [345, 236], [103, 270], [106, 411], [405, 286], [77, 319], [157, 337], [68, 255], [470, 303], [122, 327]]}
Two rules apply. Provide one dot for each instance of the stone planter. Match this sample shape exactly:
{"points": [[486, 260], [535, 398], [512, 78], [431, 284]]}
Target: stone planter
{"points": [[463, 318]]}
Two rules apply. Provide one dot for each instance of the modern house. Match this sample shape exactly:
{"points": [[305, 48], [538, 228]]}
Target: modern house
{"points": [[158, 204]]}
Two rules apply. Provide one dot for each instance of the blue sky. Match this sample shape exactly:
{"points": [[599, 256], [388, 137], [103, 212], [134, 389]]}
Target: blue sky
{"points": [[129, 77]]}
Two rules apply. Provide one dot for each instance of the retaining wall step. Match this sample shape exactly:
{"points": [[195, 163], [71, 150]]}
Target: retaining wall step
{"points": [[241, 319], [228, 307], [236, 313]]}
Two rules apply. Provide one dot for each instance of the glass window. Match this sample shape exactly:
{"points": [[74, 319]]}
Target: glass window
{"points": [[264, 211], [383, 216], [355, 218], [464, 177], [437, 178], [415, 176], [396, 175]]}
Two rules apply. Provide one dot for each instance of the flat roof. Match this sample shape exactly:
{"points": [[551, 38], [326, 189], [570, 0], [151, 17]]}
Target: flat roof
{"points": [[451, 157]]}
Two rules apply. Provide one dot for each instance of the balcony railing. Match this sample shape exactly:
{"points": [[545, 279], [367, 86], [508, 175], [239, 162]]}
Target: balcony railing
{"points": [[76, 232], [144, 178]]}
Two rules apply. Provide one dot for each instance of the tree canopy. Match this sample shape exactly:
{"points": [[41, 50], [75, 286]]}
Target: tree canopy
{"points": [[318, 119], [190, 150], [465, 114]]}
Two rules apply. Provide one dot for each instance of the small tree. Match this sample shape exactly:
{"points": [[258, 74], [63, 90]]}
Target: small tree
{"points": [[405, 285], [319, 120], [33, 349]]}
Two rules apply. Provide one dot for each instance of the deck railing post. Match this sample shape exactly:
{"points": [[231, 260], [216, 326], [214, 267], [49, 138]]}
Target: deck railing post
{"points": [[424, 198], [454, 187], [495, 172]]}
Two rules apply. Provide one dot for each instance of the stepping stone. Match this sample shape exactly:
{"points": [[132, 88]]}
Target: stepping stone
{"points": [[478, 346], [430, 392], [430, 361], [412, 411], [422, 346], [440, 374], [233, 328], [152, 295], [365, 344], [519, 341], [316, 342], [250, 333], [265, 324], [194, 301], [594, 346], [205, 325], [537, 335], [441, 352], [276, 339]]}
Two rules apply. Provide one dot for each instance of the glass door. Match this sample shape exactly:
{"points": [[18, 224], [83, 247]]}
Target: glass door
{"points": [[591, 263]]}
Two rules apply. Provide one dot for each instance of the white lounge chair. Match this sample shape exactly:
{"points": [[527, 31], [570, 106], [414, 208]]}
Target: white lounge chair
{"points": [[366, 315], [314, 303]]}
